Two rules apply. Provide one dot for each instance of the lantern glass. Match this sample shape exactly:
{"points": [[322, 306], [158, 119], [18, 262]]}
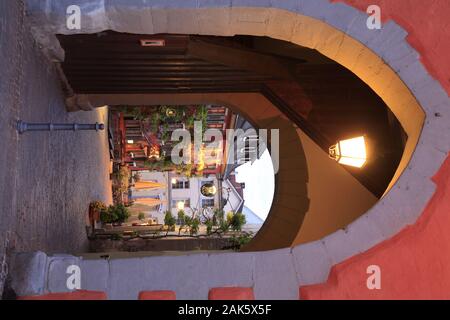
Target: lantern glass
{"points": [[350, 152], [180, 205], [208, 190]]}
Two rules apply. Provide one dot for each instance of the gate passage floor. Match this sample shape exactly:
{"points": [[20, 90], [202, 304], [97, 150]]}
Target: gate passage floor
{"points": [[47, 179]]}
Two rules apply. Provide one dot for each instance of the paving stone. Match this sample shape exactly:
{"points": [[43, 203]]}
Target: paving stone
{"points": [[414, 75], [126, 278], [400, 56], [426, 159], [183, 274], [29, 273], [231, 269], [363, 233], [245, 20], [57, 275], [275, 276], [339, 246], [386, 37], [45, 208], [312, 263], [281, 25], [314, 8], [214, 3], [358, 30], [341, 16], [94, 274], [186, 275], [431, 94], [290, 5], [251, 3]]}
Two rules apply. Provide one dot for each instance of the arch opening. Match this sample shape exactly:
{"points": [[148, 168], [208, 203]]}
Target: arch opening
{"points": [[375, 57], [188, 175], [276, 85]]}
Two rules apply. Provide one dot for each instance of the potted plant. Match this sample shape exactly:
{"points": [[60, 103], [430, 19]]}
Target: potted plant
{"points": [[115, 214], [95, 209]]}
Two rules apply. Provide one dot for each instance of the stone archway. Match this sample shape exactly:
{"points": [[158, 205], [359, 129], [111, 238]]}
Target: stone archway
{"points": [[382, 59]]}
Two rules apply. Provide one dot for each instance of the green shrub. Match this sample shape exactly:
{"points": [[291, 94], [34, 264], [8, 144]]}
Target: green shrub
{"points": [[181, 217], [116, 237], [154, 121], [122, 178], [98, 205], [218, 216], [241, 240], [187, 221], [209, 226], [181, 220], [141, 216], [106, 217], [195, 225], [115, 214], [230, 215], [237, 221], [169, 219]]}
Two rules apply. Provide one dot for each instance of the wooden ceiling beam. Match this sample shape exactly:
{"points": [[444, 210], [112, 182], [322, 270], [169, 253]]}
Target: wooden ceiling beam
{"points": [[240, 59]]}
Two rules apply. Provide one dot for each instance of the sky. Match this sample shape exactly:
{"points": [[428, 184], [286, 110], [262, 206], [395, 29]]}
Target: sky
{"points": [[259, 182]]}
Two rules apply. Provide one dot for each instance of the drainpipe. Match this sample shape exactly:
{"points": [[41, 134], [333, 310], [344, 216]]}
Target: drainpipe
{"points": [[169, 191], [26, 126]]}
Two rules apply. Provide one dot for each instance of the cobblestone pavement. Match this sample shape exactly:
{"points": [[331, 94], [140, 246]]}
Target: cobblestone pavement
{"points": [[46, 179]]}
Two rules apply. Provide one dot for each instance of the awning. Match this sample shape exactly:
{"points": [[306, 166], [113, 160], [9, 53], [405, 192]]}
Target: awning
{"points": [[147, 185], [148, 201]]}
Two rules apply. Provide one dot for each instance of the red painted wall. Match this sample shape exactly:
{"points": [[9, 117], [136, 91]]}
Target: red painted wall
{"points": [[428, 25], [415, 264]]}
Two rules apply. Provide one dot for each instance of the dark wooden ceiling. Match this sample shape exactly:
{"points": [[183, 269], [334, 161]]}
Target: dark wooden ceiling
{"points": [[342, 105], [111, 63]]}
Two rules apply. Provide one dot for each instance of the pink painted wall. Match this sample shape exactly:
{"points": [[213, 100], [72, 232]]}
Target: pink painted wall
{"points": [[428, 26], [415, 264]]}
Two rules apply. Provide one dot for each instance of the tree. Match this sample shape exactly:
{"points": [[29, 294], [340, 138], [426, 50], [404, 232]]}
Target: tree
{"points": [[181, 220], [188, 221], [169, 220], [218, 216], [209, 226], [195, 225], [224, 226], [230, 217], [237, 221]]}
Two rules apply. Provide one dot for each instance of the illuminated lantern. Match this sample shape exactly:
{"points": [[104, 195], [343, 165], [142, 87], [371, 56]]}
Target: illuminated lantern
{"points": [[170, 112], [208, 190], [180, 205], [350, 152]]}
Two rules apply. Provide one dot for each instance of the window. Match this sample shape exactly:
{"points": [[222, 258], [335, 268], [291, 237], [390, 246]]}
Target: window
{"points": [[180, 184], [207, 203], [187, 202]]}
